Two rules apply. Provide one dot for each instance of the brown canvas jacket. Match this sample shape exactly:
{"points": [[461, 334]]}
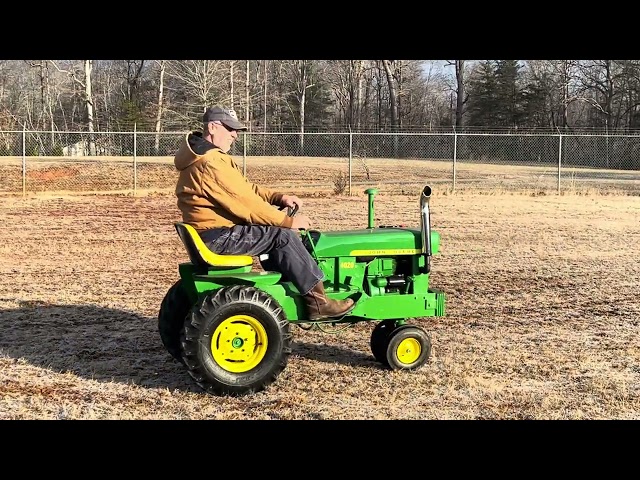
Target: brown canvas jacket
{"points": [[212, 191]]}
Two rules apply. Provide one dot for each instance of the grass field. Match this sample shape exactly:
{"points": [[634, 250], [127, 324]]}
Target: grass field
{"points": [[310, 175], [543, 319]]}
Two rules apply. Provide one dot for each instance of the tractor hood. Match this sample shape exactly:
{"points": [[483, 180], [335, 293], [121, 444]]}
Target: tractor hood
{"points": [[381, 241]]}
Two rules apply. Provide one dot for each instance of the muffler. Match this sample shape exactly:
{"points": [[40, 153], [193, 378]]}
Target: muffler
{"points": [[425, 224]]}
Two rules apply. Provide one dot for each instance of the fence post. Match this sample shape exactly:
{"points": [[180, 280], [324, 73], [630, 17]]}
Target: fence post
{"points": [[455, 156], [135, 159], [559, 160], [24, 159], [350, 156]]}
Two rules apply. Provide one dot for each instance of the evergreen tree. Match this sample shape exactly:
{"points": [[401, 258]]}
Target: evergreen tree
{"points": [[495, 96], [482, 95], [508, 95]]}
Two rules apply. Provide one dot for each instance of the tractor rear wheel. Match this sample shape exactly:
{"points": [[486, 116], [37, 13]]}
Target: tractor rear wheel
{"points": [[408, 348], [171, 319], [236, 341]]}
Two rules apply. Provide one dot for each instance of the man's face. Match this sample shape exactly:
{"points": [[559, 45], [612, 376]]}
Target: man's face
{"points": [[222, 136]]}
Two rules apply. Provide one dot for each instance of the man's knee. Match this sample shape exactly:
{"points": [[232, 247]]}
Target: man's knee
{"points": [[286, 236]]}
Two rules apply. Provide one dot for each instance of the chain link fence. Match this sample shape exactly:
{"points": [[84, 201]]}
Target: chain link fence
{"points": [[134, 163]]}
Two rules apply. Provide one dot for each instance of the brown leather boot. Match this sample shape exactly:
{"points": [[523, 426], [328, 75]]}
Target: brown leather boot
{"points": [[319, 306]]}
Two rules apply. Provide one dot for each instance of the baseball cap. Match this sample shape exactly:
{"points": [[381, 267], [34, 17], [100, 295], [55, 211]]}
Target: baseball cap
{"points": [[226, 116]]}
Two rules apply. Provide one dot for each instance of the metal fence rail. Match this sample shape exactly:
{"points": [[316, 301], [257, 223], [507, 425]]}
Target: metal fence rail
{"points": [[337, 163]]}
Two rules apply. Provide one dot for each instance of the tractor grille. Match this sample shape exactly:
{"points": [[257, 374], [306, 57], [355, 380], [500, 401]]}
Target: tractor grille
{"points": [[440, 300]]}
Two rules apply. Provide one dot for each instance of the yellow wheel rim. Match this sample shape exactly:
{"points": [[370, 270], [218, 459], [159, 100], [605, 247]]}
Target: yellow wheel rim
{"points": [[408, 351], [239, 343]]}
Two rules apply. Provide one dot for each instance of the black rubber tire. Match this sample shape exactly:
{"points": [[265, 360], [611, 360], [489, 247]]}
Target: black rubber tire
{"points": [[407, 332], [200, 334], [380, 340], [174, 310]]}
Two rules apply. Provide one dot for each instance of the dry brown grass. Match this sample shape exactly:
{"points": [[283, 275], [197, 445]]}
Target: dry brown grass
{"points": [[542, 315], [311, 176]]}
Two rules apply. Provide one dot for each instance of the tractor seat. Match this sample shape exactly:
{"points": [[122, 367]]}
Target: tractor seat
{"points": [[200, 255]]}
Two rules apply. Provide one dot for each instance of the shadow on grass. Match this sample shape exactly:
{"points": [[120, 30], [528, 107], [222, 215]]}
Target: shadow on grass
{"points": [[331, 354], [113, 345]]}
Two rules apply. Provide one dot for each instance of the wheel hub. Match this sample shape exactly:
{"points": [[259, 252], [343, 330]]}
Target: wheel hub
{"points": [[239, 343], [408, 351]]}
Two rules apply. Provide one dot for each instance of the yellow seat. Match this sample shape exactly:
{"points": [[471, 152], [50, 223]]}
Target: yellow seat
{"points": [[201, 255]]}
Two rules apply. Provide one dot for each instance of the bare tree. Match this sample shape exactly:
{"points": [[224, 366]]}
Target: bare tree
{"points": [[248, 105], [84, 81], [556, 81], [300, 71], [88, 68], [199, 84], [134, 76], [106, 85], [393, 102], [600, 80], [379, 88], [156, 144], [631, 89], [7, 107], [264, 127], [459, 90], [47, 99], [347, 81], [431, 96], [564, 70], [417, 83], [363, 89], [231, 67]]}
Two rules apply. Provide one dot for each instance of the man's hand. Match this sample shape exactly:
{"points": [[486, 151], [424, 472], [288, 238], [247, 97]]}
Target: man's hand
{"points": [[290, 201], [301, 222]]}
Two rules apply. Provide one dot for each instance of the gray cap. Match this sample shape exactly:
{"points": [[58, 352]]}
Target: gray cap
{"points": [[226, 116]]}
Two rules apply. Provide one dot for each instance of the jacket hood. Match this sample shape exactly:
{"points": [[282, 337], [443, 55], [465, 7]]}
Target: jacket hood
{"points": [[192, 148]]}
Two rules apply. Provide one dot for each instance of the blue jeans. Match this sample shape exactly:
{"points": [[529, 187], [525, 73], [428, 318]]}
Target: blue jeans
{"points": [[287, 254]]}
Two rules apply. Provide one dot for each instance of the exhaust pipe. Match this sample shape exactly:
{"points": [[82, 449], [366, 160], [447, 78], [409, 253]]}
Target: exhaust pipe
{"points": [[425, 224]]}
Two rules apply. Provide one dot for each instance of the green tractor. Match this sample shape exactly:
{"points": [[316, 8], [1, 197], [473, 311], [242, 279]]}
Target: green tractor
{"points": [[230, 325]]}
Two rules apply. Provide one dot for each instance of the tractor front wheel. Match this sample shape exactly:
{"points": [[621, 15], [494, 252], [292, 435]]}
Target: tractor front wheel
{"points": [[380, 340], [236, 341], [409, 348]]}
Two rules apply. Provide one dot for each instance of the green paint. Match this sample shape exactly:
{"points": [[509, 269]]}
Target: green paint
{"points": [[371, 192]]}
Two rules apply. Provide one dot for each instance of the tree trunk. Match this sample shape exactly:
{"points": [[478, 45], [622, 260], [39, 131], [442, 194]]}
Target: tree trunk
{"points": [[393, 102], [460, 91], [156, 145], [303, 99], [264, 123], [88, 67], [360, 98], [231, 81], [379, 93], [565, 94], [247, 106]]}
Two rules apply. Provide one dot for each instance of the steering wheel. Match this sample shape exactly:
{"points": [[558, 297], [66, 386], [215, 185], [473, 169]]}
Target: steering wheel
{"points": [[291, 211]]}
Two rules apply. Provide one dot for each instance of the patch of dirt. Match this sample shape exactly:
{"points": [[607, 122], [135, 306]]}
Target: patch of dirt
{"points": [[52, 173]]}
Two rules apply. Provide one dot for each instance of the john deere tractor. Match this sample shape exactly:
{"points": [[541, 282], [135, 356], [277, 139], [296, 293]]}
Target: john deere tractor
{"points": [[229, 324]]}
